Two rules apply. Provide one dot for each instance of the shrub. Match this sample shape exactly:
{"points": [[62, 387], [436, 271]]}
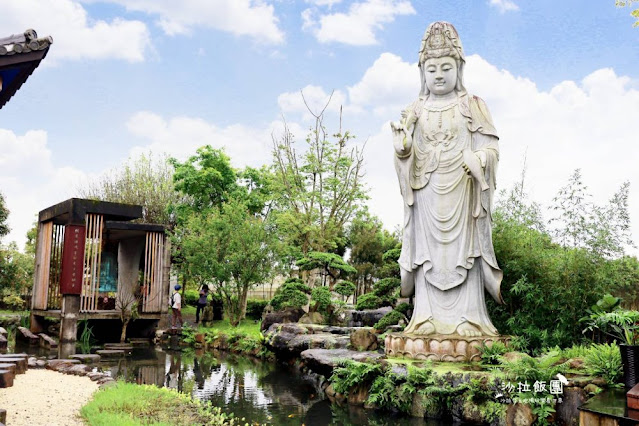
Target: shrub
{"points": [[349, 374], [13, 302], [604, 361], [255, 308], [292, 294], [191, 297], [403, 308], [492, 354], [369, 301], [321, 297], [345, 288], [391, 318]]}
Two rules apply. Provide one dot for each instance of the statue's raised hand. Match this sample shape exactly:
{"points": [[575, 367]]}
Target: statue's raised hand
{"points": [[472, 166]]}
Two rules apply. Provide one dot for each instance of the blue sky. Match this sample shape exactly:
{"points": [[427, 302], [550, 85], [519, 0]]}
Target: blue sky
{"points": [[125, 76]]}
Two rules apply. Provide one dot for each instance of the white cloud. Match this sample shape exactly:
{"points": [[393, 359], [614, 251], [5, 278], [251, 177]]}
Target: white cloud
{"points": [[316, 99], [328, 3], [251, 18], [576, 124], [75, 34], [29, 181], [357, 26], [503, 5], [181, 136]]}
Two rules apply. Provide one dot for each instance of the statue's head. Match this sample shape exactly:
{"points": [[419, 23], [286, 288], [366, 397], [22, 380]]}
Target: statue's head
{"points": [[441, 45]]}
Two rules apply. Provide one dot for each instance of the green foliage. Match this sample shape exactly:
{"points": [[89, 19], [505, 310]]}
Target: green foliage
{"points": [[4, 216], [146, 180], [349, 374], [131, 404], [575, 351], [191, 297], [403, 308], [634, 13], [369, 301], [542, 368], [207, 178], [604, 360], [292, 294], [321, 298], [391, 318], [318, 188], [16, 274], [331, 265], [621, 324], [86, 336], [229, 249], [546, 286], [255, 308], [492, 354], [345, 288], [14, 302]]}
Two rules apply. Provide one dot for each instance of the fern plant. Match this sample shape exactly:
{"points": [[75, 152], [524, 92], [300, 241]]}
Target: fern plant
{"points": [[348, 374], [604, 361]]}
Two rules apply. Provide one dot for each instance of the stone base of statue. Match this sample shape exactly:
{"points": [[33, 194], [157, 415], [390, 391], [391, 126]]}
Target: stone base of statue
{"points": [[439, 347]]}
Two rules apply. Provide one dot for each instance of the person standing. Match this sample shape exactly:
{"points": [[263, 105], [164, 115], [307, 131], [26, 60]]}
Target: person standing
{"points": [[201, 303], [176, 306]]}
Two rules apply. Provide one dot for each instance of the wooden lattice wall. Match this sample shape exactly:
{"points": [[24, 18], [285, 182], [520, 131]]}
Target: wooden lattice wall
{"points": [[92, 259], [153, 272]]}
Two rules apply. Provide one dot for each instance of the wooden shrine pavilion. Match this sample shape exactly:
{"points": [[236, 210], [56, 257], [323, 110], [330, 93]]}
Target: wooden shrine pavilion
{"points": [[93, 262]]}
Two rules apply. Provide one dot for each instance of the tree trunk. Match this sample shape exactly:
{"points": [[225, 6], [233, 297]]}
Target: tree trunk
{"points": [[125, 323]]}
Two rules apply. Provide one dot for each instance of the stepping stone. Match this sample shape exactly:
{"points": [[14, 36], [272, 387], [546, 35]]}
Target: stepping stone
{"points": [[25, 335], [47, 342], [54, 364], [8, 366], [20, 355], [6, 379], [20, 363], [137, 342], [110, 353], [118, 346], [87, 358]]}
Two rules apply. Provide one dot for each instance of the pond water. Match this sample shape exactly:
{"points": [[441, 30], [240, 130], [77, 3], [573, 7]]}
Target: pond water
{"points": [[261, 392]]}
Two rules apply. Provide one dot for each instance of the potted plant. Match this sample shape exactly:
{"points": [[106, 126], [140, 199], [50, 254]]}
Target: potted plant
{"points": [[623, 326]]}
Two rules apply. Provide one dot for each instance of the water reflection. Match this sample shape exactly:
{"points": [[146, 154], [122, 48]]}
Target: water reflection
{"points": [[262, 393]]}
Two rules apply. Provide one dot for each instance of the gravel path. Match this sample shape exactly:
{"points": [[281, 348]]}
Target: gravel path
{"points": [[45, 397]]}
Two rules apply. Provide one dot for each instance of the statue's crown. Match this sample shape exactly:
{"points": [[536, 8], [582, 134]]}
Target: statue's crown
{"points": [[441, 39]]}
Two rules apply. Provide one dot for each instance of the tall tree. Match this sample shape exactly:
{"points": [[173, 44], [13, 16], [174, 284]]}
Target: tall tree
{"points": [[319, 188], [228, 247], [4, 217]]}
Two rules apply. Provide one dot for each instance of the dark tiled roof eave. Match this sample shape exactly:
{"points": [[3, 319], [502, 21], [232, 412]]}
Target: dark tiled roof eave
{"points": [[24, 50]]}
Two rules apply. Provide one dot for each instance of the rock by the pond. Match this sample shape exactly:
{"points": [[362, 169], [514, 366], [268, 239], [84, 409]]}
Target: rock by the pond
{"points": [[592, 389], [55, 364], [3, 332], [366, 318], [322, 361], [87, 358], [110, 353], [363, 339], [290, 340], [568, 411], [3, 342], [520, 415], [79, 370], [288, 315], [312, 318]]}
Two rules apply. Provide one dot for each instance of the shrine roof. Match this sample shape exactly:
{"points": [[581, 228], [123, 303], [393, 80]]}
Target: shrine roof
{"points": [[20, 55]]}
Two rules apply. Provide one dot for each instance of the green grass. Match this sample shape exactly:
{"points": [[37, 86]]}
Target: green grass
{"points": [[247, 327], [188, 310], [9, 312], [131, 405]]}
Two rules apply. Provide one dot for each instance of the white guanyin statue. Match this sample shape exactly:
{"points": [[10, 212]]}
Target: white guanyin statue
{"points": [[446, 159]]}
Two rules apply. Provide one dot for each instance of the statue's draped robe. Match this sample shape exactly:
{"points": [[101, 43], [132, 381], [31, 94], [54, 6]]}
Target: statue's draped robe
{"points": [[447, 257]]}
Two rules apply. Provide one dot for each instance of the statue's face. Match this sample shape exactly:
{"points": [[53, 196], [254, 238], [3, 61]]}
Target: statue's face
{"points": [[440, 75]]}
